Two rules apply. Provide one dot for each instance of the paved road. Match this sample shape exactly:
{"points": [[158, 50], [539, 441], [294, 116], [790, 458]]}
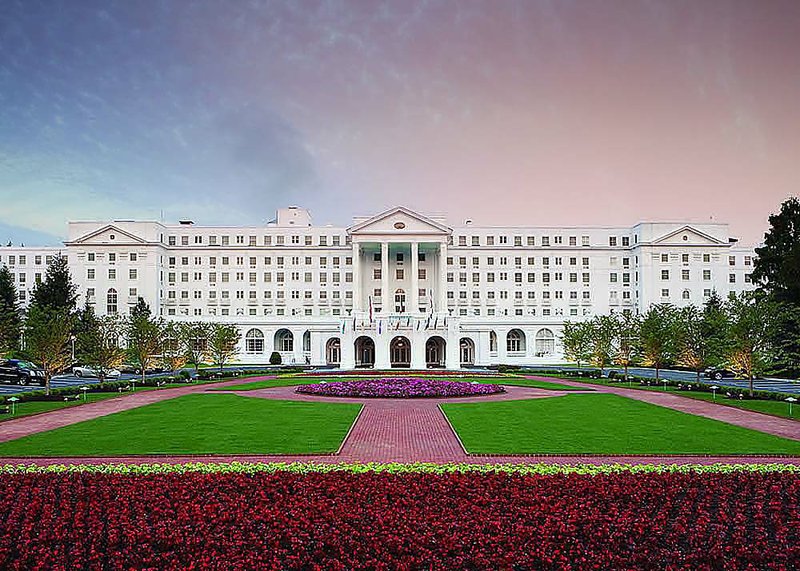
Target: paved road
{"points": [[768, 384]]}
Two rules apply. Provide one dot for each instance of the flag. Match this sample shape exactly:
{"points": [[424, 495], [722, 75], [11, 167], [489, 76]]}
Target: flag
{"points": [[354, 324], [343, 324], [436, 322], [370, 310], [380, 329]]}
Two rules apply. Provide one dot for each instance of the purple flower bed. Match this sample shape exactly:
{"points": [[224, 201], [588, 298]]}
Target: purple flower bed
{"points": [[400, 388]]}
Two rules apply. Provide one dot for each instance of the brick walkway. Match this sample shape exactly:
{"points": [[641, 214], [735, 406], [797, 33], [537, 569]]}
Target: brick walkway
{"points": [[402, 430], [415, 430]]}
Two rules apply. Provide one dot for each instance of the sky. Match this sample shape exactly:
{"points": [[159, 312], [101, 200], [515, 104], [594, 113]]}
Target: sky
{"points": [[507, 112]]}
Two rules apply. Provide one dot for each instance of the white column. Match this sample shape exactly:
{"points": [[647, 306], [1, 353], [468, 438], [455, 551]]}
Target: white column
{"points": [[385, 301], [356, 277], [441, 305], [414, 278]]}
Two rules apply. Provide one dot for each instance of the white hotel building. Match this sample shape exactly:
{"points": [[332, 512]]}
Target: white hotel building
{"points": [[397, 289]]}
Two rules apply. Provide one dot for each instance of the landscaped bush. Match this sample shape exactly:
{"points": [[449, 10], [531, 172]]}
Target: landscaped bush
{"points": [[275, 358], [334, 519], [403, 388]]}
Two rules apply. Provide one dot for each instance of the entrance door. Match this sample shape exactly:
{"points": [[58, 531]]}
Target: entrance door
{"points": [[435, 352], [467, 351], [400, 352], [365, 352]]}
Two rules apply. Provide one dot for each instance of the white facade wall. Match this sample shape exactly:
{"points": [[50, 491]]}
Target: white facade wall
{"points": [[391, 276]]}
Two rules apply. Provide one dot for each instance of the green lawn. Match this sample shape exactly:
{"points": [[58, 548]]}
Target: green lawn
{"points": [[601, 424], [199, 424], [291, 381]]}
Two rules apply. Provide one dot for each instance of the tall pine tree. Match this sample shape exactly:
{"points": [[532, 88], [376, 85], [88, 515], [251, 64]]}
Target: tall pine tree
{"points": [[57, 291], [10, 319]]}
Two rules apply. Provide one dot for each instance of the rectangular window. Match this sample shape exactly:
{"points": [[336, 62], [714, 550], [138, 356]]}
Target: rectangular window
{"points": [[626, 241], [132, 274], [612, 240], [664, 274]]}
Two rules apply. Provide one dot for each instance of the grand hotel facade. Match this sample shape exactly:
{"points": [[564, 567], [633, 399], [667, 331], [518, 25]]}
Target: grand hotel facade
{"points": [[398, 289]]}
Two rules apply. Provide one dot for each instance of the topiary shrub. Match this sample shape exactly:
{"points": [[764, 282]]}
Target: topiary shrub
{"points": [[275, 358]]}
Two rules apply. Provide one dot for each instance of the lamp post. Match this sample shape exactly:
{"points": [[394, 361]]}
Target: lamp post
{"points": [[13, 401], [72, 339], [791, 400], [714, 389], [665, 384], [84, 389]]}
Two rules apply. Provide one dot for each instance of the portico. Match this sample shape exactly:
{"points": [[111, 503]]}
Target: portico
{"points": [[400, 290]]}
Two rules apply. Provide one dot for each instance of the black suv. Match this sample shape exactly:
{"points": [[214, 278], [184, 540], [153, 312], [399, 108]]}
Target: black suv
{"points": [[19, 372]]}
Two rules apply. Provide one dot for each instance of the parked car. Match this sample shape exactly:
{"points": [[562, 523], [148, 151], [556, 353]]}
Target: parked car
{"points": [[136, 370], [87, 371], [20, 372], [718, 373]]}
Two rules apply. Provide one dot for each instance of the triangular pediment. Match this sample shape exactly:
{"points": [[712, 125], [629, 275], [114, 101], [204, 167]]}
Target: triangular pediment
{"points": [[399, 220], [687, 235], [109, 234]]}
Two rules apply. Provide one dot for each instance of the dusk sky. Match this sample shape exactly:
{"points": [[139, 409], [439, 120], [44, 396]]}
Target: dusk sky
{"points": [[573, 112]]}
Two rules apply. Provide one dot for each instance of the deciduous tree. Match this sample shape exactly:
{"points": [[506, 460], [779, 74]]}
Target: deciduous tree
{"points": [[47, 339], [223, 343], [576, 339], [658, 336]]}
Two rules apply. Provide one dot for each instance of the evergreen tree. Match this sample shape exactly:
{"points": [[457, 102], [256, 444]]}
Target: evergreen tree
{"points": [[10, 318], [57, 291], [86, 332], [776, 268]]}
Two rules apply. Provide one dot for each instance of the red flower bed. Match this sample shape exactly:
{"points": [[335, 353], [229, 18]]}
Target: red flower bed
{"points": [[413, 521]]}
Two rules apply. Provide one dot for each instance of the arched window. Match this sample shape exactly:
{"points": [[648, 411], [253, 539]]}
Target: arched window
{"points": [[545, 343], [492, 342], [515, 341], [400, 301], [284, 341], [111, 301], [467, 351], [685, 294], [254, 341], [307, 341], [333, 351]]}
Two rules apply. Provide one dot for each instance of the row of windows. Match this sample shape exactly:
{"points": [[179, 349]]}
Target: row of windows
{"points": [[686, 276], [519, 241], [112, 256], [252, 277], [22, 259], [268, 240], [252, 261], [546, 277], [111, 273]]}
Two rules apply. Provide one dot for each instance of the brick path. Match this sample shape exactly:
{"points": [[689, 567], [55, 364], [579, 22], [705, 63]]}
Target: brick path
{"points": [[398, 430]]}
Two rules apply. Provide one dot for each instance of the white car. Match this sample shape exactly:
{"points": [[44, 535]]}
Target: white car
{"points": [[87, 371]]}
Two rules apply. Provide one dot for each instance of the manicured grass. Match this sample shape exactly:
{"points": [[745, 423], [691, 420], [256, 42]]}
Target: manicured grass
{"points": [[199, 424], [601, 424], [535, 384]]}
